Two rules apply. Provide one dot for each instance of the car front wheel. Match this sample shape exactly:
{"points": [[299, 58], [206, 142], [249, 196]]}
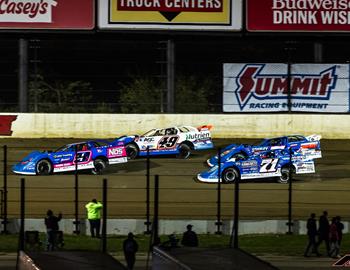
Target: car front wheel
{"points": [[230, 175], [184, 151], [43, 167], [100, 166]]}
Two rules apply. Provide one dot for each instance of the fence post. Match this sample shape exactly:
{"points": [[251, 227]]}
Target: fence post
{"points": [[290, 191], [5, 221], [76, 222], [104, 210], [156, 209], [236, 218], [218, 222], [147, 223], [22, 202]]}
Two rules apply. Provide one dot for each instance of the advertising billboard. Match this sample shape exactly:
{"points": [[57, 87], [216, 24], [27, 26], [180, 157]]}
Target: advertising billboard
{"points": [[170, 14], [47, 14], [298, 15], [267, 88]]}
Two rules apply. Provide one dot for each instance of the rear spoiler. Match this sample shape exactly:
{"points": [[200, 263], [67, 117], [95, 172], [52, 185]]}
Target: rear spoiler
{"points": [[205, 127], [314, 137]]}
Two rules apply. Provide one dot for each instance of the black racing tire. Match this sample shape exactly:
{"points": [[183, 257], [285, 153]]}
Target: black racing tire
{"points": [[184, 151], [230, 175], [131, 151], [43, 167], [285, 175], [100, 166]]}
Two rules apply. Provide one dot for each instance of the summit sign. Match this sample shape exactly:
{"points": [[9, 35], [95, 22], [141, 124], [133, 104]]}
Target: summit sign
{"points": [[298, 15], [268, 87]]}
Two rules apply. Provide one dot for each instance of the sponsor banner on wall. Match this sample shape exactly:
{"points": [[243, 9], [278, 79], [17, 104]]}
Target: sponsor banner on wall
{"points": [[47, 14], [298, 15], [264, 88], [170, 14]]}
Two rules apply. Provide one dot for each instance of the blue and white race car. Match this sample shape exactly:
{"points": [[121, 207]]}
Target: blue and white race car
{"points": [[173, 140], [265, 164], [93, 155], [309, 147]]}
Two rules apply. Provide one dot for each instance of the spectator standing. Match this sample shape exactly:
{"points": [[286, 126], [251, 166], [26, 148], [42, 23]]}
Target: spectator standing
{"points": [[323, 231], [312, 233], [130, 247], [189, 238], [334, 239], [94, 216], [51, 223], [340, 228]]}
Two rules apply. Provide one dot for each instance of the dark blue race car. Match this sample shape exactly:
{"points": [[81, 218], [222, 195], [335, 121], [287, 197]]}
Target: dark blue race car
{"points": [[307, 146], [93, 155], [277, 163]]}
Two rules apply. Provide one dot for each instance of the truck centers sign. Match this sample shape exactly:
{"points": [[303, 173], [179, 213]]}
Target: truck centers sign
{"points": [[171, 14]]}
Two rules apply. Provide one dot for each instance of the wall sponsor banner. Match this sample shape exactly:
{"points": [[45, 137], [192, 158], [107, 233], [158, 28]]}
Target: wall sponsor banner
{"points": [[264, 88], [170, 14], [47, 14], [298, 15]]}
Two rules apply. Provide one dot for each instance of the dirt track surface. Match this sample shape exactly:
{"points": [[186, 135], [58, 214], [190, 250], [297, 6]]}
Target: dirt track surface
{"points": [[180, 196]]}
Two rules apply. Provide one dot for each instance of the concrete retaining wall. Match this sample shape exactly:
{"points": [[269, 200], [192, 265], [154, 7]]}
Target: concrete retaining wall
{"points": [[330, 126], [166, 227]]}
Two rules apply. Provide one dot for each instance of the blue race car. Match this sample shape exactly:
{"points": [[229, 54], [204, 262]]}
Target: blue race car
{"points": [[265, 164], [309, 146], [93, 155], [179, 140]]}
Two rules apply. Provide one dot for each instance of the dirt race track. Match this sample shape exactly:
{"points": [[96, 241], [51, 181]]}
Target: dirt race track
{"points": [[180, 196]]}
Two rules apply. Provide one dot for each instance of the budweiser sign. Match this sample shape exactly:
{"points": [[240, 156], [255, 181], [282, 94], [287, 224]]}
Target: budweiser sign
{"points": [[26, 11], [266, 87]]}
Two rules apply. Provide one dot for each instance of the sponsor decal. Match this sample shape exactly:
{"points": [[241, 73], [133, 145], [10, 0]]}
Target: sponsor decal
{"points": [[115, 152], [26, 11], [246, 164], [6, 124], [198, 136], [148, 140], [253, 82]]}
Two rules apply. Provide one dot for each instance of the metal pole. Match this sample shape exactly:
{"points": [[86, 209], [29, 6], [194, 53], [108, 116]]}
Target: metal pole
{"points": [[5, 221], [23, 75], [156, 208], [170, 75], [218, 222], [76, 188], [104, 209], [236, 217], [147, 223], [318, 52], [289, 81], [290, 190], [22, 202]]}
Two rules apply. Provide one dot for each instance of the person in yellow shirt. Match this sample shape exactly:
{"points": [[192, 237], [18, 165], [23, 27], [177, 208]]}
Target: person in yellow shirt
{"points": [[94, 216]]}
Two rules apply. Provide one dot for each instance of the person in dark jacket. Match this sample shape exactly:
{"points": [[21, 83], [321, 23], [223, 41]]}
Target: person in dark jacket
{"points": [[311, 233], [340, 228], [130, 247], [323, 231], [51, 223], [189, 238]]}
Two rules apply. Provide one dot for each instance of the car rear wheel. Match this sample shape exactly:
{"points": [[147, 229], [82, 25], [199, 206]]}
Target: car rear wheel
{"points": [[131, 151], [184, 151], [285, 175], [100, 166], [43, 167], [230, 175]]}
